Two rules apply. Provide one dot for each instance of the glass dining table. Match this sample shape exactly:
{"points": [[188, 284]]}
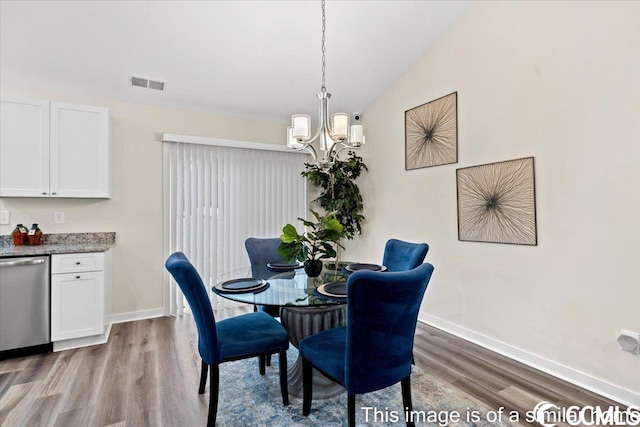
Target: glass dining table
{"points": [[303, 310]]}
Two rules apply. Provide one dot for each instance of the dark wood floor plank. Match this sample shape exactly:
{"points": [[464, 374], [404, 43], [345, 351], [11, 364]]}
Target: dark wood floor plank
{"points": [[465, 365], [76, 417], [436, 367], [57, 382], [143, 402], [6, 380], [44, 410], [16, 403], [492, 400], [86, 372]]}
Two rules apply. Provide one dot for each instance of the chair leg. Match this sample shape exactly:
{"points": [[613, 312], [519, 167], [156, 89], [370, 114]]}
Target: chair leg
{"points": [[213, 395], [406, 399], [284, 387], [262, 360], [268, 360], [203, 377], [351, 409], [307, 386]]}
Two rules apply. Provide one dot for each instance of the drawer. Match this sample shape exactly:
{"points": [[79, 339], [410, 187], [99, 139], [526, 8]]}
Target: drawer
{"points": [[75, 263]]}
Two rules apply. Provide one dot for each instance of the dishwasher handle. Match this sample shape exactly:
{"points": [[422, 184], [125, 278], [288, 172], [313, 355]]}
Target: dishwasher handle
{"points": [[22, 262]]}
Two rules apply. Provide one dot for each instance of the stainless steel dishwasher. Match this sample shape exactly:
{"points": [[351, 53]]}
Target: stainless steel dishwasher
{"points": [[25, 314]]}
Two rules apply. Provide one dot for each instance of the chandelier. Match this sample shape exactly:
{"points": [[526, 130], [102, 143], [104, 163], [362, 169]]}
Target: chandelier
{"points": [[333, 131]]}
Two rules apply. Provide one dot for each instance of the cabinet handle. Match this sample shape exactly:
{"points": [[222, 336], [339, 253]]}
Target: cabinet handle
{"points": [[53, 194], [21, 262], [77, 277], [44, 194], [78, 263]]}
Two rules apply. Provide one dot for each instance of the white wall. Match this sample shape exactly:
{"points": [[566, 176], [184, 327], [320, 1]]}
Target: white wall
{"points": [[559, 81], [135, 210]]}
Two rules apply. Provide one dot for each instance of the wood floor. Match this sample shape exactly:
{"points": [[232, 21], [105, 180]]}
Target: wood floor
{"points": [[492, 379], [147, 375]]}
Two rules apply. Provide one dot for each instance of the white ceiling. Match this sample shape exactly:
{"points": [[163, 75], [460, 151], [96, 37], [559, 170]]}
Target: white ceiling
{"points": [[257, 59]]}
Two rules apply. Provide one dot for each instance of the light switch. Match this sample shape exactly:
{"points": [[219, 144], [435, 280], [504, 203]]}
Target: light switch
{"points": [[5, 217]]}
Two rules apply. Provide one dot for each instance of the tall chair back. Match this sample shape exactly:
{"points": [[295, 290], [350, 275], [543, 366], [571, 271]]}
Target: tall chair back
{"points": [[382, 313], [196, 294], [374, 350], [262, 251], [402, 256]]}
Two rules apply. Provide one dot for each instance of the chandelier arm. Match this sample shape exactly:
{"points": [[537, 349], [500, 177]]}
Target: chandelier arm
{"points": [[332, 151], [314, 137], [311, 151], [344, 147]]}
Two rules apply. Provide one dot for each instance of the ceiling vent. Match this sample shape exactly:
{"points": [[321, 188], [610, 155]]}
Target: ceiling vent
{"points": [[147, 83]]}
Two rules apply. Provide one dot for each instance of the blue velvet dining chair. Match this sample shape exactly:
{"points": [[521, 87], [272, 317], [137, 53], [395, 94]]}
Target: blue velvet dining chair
{"points": [[374, 350], [241, 337], [401, 256], [261, 252]]}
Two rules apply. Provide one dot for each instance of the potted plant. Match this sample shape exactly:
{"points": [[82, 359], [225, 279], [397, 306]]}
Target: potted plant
{"points": [[339, 192], [314, 245]]}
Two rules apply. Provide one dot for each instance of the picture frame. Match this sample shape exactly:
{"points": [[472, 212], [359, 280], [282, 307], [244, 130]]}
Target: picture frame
{"points": [[497, 203], [431, 133]]}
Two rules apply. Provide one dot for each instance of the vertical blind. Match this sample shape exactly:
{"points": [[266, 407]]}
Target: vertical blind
{"points": [[216, 197]]}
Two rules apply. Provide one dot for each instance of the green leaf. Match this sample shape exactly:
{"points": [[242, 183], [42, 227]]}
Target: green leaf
{"points": [[316, 214], [289, 234], [307, 223], [334, 224]]}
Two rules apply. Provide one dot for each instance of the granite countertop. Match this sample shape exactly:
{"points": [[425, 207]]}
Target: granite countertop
{"points": [[64, 243]]}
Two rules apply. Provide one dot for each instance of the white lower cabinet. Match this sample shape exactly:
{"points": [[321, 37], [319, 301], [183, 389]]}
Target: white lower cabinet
{"points": [[77, 295]]}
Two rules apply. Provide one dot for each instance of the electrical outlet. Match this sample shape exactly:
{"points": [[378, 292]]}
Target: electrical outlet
{"points": [[629, 341], [5, 217], [58, 218]]}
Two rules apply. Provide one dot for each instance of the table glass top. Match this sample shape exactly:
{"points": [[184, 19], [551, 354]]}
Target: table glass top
{"points": [[288, 288]]}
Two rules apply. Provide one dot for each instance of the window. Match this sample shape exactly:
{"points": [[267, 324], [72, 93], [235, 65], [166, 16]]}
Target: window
{"points": [[217, 196]]}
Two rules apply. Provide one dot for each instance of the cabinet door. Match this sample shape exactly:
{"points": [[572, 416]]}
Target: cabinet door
{"points": [[24, 147], [77, 305], [79, 151]]}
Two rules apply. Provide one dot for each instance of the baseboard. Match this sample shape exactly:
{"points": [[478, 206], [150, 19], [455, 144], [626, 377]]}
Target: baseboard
{"points": [[84, 341], [102, 338], [137, 315], [586, 381]]}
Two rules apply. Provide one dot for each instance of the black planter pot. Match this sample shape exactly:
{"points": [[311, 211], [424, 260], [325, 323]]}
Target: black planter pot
{"points": [[313, 267]]}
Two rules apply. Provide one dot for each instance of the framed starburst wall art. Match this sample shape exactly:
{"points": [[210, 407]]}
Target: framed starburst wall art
{"points": [[497, 203], [431, 133]]}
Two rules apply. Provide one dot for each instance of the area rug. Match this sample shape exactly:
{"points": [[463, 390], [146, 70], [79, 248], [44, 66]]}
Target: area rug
{"points": [[250, 399]]}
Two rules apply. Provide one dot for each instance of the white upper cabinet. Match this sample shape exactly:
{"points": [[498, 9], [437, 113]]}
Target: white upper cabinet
{"points": [[54, 149], [79, 151], [24, 147]]}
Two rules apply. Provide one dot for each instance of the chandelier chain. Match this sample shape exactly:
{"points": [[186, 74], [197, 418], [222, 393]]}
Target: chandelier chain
{"points": [[323, 49]]}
